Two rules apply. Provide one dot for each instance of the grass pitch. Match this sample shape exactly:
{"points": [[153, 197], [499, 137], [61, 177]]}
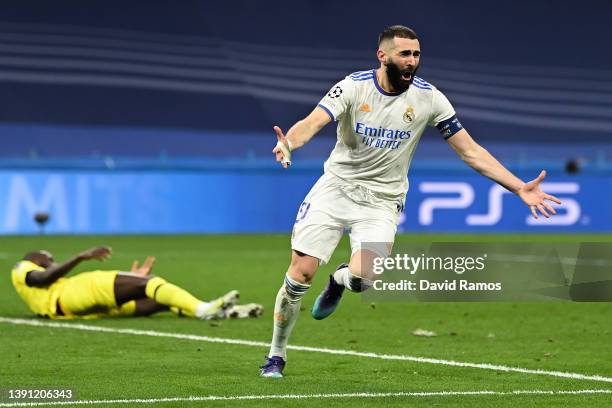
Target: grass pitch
{"points": [[553, 336]]}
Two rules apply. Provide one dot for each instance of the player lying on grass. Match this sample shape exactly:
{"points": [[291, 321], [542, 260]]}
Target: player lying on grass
{"points": [[381, 115], [40, 282]]}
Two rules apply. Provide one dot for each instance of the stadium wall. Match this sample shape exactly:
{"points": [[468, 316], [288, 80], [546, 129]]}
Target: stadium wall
{"points": [[266, 200]]}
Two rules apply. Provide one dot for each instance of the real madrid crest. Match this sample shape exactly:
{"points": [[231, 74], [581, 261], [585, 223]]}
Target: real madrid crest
{"points": [[409, 114]]}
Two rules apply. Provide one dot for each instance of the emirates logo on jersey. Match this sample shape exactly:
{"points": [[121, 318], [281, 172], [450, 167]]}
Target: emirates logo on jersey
{"points": [[409, 114]]}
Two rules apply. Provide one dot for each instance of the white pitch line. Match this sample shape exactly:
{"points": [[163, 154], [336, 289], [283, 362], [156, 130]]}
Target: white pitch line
{"points": [[306, 396], [152, 333]]}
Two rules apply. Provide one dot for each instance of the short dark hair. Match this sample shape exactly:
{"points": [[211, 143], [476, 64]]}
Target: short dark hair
{"points": [[397, 31], [30, 256], [35, 255]]}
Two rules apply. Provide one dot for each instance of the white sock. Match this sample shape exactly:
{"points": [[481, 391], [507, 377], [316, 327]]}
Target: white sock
{"points": [[354, 283], [286, 312], [201, 309], [342, 275], [205, 310]]}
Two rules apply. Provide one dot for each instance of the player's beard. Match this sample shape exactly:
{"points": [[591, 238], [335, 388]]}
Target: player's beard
{"points": [[395, 76]]}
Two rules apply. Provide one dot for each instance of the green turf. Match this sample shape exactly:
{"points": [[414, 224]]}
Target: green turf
{"points": [[573, 337]]}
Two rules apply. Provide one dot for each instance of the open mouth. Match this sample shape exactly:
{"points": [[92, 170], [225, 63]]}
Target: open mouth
{"points": [[406, 76]]}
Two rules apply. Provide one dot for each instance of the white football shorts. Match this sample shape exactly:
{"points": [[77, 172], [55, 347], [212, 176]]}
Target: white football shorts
{"points": [[333, 206]]}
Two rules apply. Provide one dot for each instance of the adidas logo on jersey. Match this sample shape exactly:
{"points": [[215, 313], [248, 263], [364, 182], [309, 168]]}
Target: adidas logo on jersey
{"points": [[365, 108]]}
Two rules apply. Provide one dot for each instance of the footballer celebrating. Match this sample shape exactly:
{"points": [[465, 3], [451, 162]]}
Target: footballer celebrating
{"points": [[381, 115]]}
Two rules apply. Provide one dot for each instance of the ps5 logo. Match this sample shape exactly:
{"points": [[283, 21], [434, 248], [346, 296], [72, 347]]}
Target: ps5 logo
{"points": [[463, 196]]}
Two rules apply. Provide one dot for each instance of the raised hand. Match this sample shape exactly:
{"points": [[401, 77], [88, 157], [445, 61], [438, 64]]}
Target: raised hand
{"points": [[146, 267], [282, 150], [535, 198], [99, 253]]}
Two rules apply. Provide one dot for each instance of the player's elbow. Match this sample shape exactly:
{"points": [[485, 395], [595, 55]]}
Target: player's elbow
{"points": [[473, 156], [469, 156], [39, 279]]}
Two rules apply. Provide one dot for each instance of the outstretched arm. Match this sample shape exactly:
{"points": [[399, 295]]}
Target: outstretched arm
{"points": [[299, 135], [483, 162], [56, 271]]}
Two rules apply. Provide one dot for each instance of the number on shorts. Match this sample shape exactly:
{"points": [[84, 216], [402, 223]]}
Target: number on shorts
{"points": [[302, 211]]}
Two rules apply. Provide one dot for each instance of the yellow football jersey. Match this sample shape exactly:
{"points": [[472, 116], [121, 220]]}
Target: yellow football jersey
{"points": [[42, 301]]}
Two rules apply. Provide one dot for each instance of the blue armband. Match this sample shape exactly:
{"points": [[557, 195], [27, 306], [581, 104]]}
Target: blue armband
{"points": [[449, 127]]}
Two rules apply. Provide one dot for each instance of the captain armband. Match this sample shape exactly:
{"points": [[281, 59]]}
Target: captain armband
{"points": [[449, 127]]}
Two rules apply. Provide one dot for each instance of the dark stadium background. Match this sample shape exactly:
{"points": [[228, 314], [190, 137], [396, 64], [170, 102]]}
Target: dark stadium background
{"points": [[156, 116]]}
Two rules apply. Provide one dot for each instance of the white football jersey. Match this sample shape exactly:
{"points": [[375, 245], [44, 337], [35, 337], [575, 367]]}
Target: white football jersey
{"points": [[378, 131]]}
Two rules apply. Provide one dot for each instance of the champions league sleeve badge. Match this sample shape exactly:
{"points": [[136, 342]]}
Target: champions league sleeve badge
{"points": [[335, 92]]}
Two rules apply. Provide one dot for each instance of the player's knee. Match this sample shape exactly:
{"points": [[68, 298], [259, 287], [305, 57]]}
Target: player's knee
{"points": [[302, 268]]}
